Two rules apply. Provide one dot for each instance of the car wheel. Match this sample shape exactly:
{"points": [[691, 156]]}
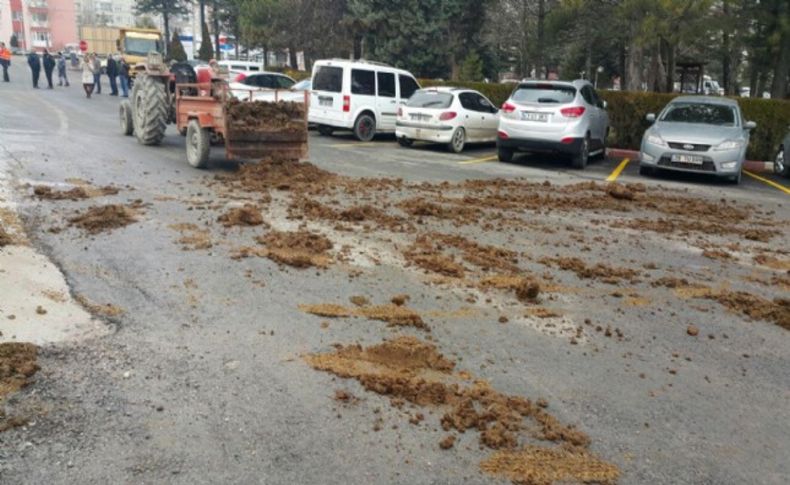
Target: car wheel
{"points": [[458, 141], [405, 142], [325, 130], [580, 159], [646, 171], [365, 127], [781, 166], [602, 155], [735, 179], [504, 154]]}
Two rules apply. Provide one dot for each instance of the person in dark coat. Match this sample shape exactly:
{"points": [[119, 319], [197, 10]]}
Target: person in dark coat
{"points": [[123, 75], [49, 66], [112, 73], [96, 73], [62, 76], [35, 67]]}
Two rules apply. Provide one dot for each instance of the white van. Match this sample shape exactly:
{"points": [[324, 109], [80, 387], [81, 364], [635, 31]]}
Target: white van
{"points": [[241, 65], [361, 96]]}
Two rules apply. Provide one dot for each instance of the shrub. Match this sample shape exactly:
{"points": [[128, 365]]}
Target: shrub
{"points": [[176, 51], [627, 111], [206, 51], [472, 68]]}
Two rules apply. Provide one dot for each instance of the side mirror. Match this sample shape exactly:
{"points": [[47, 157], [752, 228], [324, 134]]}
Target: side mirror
{"points": [[651, 117], [750, 125]]}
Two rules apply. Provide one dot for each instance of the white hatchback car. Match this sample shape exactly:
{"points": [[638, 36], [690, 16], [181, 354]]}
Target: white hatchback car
{"points": [[361, 96], [251, 84], [454, 116]]}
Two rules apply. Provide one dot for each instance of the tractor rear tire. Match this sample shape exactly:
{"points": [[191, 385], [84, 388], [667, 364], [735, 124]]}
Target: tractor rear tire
{"points": [[198, 144], [151, 109]]}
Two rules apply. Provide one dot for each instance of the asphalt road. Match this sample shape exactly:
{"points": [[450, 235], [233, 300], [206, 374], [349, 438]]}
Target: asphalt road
{"points": [[200, 380]]}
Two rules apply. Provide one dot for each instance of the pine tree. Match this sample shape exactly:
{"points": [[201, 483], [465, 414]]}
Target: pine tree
{"points": [[206, 52], [472, 68], [176, 51]]}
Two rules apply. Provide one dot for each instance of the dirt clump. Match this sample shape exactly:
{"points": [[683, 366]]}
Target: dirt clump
{"points": [[247, 215], [772, 262], [532, 465], [18, 363], [409, 370], [300, 249], [268, 174], [45, 192], [5, 238], [251, 115], [670, 282], [393, 315], [105, 310], [542, 312], [359, 300], [447, 442], [620, 192], [719, 254], [692, 330], [105, 218], [192, 237], [424, 254], [599, 271], [755, 307], [400, 300], [526, 288]]}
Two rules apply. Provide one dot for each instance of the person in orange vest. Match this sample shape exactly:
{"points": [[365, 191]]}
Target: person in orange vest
{"points": [[5, 60]]}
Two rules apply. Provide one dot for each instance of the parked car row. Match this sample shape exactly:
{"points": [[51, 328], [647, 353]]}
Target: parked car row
{"points": [[700, 134]]}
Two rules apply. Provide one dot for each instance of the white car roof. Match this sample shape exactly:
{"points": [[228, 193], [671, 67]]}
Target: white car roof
{"points": [[361, 63]]}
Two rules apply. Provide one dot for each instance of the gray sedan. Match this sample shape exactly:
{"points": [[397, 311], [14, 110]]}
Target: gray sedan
{"points": [[781, 164], [697, 134]]}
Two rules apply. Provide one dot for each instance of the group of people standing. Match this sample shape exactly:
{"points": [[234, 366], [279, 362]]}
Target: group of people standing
{"points": [[49, 62], [117, 69]]}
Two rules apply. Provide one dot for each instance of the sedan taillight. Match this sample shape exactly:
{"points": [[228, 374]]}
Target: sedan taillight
{"points": [[572, 112]]}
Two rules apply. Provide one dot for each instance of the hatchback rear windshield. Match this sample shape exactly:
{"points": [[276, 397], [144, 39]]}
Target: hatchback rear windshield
{"points": [[328, 78], [430, 99], [544, 93], [708, 114]]}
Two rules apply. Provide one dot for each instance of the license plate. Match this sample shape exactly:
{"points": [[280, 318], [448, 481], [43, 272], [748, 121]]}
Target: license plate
{"points": [[420, 117], [325, 101], [694, 159], [530, 116]]}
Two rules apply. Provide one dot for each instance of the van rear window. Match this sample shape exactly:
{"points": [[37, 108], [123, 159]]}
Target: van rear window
{"points": [[544, 93], [328, 78]]}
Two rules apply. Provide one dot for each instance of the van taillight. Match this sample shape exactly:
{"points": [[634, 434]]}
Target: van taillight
{"points": [[346, 104], [400, 111]]}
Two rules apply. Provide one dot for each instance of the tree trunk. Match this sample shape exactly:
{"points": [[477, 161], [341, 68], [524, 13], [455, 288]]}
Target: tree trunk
{"points": [[588, 61], [623, 56], [634, 70], [292, 57], [670, 66], [215, 15], [357, 47], [726, 66], [753, 78], [541, 37], [202, 12], [166, 21], [781, 68]]}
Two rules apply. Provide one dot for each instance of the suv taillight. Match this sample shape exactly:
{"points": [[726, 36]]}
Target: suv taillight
{"points": [[346, 103], [447, 115], [572, 112], [508, 108]]}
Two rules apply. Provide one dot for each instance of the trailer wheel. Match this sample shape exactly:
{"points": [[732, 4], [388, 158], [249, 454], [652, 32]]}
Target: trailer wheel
{"points": [[127, 125], [198, 144], [151, 109]]}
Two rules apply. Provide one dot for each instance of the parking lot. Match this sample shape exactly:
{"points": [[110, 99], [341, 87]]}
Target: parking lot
{"points": [[387, 315]]}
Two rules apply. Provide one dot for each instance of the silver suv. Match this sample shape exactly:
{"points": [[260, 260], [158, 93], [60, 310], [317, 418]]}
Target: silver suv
{"points": [[556, 117]]}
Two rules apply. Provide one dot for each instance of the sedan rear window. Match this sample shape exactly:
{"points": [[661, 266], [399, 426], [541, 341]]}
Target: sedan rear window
{"points": [[328, 78], [544, 93], [430, 99], [708, 114]]}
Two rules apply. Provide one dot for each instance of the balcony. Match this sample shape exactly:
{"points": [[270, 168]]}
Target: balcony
{"points": [[37, 4]]}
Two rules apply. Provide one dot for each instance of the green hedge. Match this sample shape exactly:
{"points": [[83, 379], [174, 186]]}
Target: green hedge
{"points": [[627, 111]]}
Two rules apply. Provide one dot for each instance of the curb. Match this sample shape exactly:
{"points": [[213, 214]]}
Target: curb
{"points": [[750, 165]]}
